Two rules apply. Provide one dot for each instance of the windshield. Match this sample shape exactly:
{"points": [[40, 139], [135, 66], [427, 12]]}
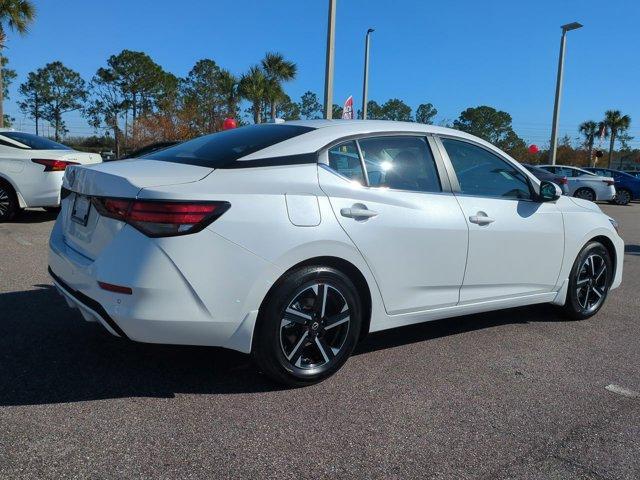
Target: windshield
{"points": [[218, 150], [34, 142]]}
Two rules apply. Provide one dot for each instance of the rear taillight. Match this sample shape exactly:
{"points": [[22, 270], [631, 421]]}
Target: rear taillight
{"points": [[609, 182], [53, 165], [564, 181], [160, 218]]}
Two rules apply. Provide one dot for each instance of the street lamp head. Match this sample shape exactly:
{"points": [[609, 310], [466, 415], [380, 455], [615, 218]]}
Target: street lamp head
{"points": [[571, 26], [371, 30]]}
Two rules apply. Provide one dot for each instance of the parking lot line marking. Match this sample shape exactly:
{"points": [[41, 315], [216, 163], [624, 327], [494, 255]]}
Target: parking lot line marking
{"points": [[622, 391], [21, 240]]}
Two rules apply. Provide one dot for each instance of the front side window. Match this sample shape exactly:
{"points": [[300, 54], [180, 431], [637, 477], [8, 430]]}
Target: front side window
{"points": [[345, 160], [401, 163], [481, 173]]}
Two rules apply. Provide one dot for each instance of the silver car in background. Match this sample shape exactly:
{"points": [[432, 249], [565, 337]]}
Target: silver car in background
{"points": [[584, 184]]}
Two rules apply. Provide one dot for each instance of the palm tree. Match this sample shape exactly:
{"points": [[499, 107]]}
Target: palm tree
{"points": [[615, 123], [228, 86], [589, 130], [17, 15], [277, 70], [253, 87]]}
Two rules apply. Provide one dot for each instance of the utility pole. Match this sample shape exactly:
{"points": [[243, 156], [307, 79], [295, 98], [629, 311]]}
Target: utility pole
{"points": [[365, 83], [556, 106], [328, 75]]}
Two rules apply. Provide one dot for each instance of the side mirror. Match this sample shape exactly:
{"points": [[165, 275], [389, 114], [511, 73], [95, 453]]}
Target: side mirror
{"points": [[549, 191]]}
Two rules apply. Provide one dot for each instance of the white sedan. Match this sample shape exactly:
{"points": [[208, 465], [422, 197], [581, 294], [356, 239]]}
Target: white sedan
{"points": [[293, 241], [31, 170], [584, 184]]}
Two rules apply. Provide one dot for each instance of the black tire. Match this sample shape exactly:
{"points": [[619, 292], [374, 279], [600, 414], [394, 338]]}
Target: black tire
{"points": [[585, 194], [313, 342], [623, 197], [588, 283], [9, 206]]}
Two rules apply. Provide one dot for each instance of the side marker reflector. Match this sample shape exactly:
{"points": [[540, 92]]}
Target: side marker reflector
{"points": [[115, 288]]}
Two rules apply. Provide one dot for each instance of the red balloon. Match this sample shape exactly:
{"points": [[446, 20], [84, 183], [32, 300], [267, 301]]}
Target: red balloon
{"points": [[533, 149], [229, 123]]}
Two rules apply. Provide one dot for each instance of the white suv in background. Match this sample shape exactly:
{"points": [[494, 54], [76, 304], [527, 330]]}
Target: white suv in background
{"points": [[31, 170], [584, 184]]}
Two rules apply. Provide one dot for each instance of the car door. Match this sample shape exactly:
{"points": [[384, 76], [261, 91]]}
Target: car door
{"points": [[395, 203], [516, 244]]}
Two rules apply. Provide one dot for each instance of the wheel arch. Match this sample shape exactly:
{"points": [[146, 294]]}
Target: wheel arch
{"points": [[16, 191], [608, 244], [346, 267]]}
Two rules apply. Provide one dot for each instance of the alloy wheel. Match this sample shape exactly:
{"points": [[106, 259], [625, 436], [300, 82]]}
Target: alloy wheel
{"points": [[585, 194], [5, 201], [623, 197], [314, 326], [591, 283]]}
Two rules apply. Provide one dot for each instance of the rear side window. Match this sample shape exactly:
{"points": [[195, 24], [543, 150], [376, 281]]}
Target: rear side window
{"points": [[219, 150], [567, 172], [345, 160], [578, 172], [481, 173], [33, 142], [401, 163]]}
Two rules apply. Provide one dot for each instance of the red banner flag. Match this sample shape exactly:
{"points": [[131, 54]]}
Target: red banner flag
{"points": [[347, 110]]}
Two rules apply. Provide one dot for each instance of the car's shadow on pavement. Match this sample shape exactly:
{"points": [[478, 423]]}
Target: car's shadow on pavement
{"points": [[34, 216], [632, 249], [48, 354]]}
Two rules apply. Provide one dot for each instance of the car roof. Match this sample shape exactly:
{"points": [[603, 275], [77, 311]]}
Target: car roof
{"points": [[564, 166], [327, 131], [370, 125]]}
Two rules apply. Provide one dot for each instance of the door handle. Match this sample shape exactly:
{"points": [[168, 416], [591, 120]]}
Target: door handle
{"points": [[358, 212], [481, 218]]}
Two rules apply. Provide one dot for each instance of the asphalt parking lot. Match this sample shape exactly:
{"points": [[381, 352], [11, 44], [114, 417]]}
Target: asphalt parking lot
{"points": [[512, 394]]}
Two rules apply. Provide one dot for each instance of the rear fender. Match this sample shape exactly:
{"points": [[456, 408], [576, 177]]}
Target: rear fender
{"points": [[21, 202]]}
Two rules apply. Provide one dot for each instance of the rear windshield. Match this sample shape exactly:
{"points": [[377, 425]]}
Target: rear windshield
{"points": [[220, 149], [34, 142]]}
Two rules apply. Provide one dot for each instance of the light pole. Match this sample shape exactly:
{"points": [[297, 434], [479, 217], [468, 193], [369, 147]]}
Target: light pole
{"points": [[328, 74], [365, 83], [556, 106]]}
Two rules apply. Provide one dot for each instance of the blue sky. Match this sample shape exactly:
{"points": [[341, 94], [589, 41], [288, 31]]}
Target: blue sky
{"points": [[454, 54]]}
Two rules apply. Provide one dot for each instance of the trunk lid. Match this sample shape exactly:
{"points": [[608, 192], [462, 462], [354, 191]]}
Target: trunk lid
{"points": [[84, 229], [83, 158], [125, 178]]}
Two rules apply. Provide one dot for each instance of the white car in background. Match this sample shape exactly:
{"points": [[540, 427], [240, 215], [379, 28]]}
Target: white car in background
{"points": [[292, 241], [31, 170], [584, 184]]}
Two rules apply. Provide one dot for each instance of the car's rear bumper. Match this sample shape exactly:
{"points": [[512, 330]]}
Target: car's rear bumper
{"points": [[607, 194], [176, 299], [90, 309]]}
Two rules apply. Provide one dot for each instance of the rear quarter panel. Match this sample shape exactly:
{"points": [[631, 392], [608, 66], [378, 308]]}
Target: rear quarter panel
{"points": [[260, 222]]}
